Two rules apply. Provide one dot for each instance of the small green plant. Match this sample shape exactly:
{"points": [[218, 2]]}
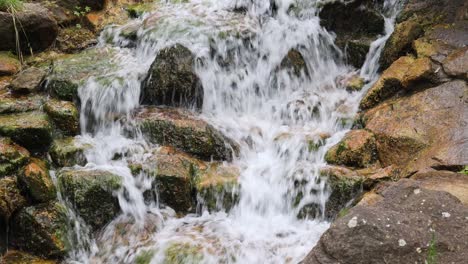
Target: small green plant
{"points": [[10, 5], [432, 251], [80, 12], [464, 170]]}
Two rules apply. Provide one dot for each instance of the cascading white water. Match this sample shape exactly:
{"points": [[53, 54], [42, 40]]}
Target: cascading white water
{"points": [[270, 112]]}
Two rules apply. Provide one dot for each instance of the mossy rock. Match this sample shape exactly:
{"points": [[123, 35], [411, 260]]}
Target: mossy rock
{"points": [[37, 181], [32, 129], [10, 104], [144, 257], [172, 81], [138, 9], [354, 83], [400, 42], [172, 172], [11, 199], [343, 186], [20, 257], [12, 157], [294, 62], [183, 253], [41, 229], [217, 186], [180, 177], [28, 80], [72, 71], [74, 39], [9, 64], [68, 152], [356, 149], [64, 115], [402, 74], [184, 131], [92, 194]]}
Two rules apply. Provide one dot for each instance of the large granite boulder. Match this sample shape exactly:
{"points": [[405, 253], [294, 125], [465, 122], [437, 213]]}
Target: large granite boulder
{"points": [[403, 223], [36, 28], [171, 80], [185, 131], [403, 74], [440, 23], [426, 129]]}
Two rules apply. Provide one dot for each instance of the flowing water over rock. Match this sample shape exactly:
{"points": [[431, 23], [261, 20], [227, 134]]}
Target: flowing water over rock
{"points": [[283, 120]]}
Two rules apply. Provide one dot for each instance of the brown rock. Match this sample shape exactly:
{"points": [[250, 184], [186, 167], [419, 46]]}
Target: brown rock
{"points": [[356, 149], [400, 41], [12, 157], [11, 199], [406, 225], [20, 257], [454, 183], [28, 80], [38, 29], [402, 74], [426, 129], [37, 181], [456, 64], [9, 65], [183, 130]]}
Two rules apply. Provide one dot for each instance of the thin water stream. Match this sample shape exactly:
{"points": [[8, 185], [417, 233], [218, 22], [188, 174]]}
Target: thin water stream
{"points": [[272, 113]]}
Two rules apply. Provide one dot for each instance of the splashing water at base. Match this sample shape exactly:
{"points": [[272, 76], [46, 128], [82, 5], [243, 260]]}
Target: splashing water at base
{"points": [[272, 112]]}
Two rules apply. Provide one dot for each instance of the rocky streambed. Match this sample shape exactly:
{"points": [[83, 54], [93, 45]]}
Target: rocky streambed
{"points": [[395, 186]]}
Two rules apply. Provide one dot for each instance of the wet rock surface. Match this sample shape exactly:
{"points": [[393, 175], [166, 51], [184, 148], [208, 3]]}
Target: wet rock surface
{"points": [[65, 116], [183, 130], [92, 193], [356, 23], [407, 224], [71, 71], [41, 229], [171, 80], [32, 129], [183, 181], [68, 152]]}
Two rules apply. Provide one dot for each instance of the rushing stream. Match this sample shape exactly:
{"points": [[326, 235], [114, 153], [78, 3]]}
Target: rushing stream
{"points": [[272, 113]]}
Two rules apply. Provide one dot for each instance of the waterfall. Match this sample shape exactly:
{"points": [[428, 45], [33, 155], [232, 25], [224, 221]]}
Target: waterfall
{"points": [[270, 112]]}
